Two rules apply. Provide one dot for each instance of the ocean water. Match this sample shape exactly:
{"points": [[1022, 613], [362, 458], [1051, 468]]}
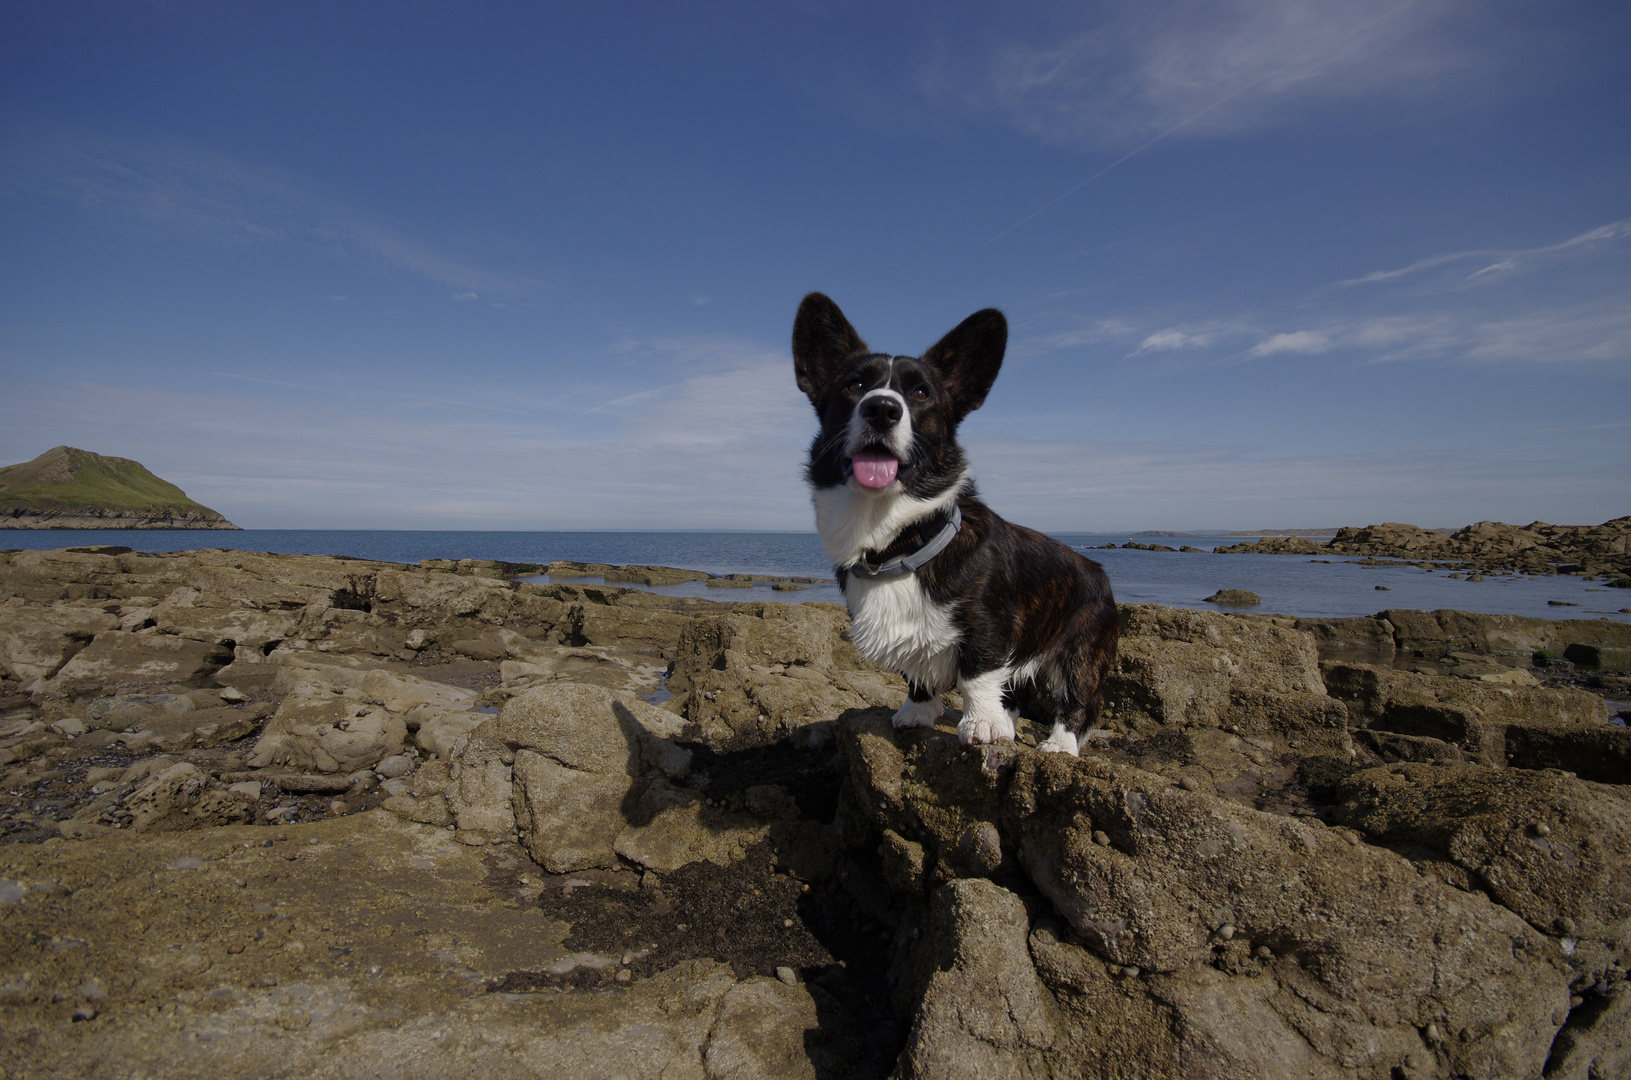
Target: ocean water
{"points": [[1288, 584]]}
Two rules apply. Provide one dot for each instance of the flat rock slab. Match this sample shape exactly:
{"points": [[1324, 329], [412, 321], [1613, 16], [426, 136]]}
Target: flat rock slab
{"points": [[359, 946]]}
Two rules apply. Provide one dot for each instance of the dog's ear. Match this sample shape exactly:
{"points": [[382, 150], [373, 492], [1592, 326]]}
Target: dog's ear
{"points": [[823, 343], [968, 359]]}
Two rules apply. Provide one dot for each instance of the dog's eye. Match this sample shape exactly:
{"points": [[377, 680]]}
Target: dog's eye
{"points": [[920, 394], [854, 386]]}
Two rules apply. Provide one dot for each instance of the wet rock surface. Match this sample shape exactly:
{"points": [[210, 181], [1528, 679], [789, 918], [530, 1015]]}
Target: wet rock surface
{"points": [[296, 816]]}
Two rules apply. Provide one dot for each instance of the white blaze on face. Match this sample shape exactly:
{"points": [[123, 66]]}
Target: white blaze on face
{"points": [[898, 439]]}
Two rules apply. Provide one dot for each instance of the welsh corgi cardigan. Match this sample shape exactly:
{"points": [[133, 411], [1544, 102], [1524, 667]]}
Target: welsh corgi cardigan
{"points": [[938, 586]]}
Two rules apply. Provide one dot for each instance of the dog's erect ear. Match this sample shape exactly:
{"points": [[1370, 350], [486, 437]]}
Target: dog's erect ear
{"points": [[969, 357], [823, 343]]}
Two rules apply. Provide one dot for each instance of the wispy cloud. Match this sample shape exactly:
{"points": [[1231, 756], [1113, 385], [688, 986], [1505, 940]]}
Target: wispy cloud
{"points": [[1141, 69], [190, 191], [721, 446], [1612, 236]]}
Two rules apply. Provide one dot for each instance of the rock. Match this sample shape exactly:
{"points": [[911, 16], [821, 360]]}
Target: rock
{"points": [[233, 696], [441, 732], [623, 670], [1480, 829], [180, 798], [1615, 658], [670, 828], [400, 765], [761, 1033], [1234, 598], [982, 1011], [579, 754], [70, 727], [1370, 967], [1469, 715], [137, 710], [117, 657], [315, 728], [1184, 668], [753, 675], [428, 809], [36, 640]]}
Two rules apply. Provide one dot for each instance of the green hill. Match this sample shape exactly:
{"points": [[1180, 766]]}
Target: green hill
{"points": [[68, 488]]}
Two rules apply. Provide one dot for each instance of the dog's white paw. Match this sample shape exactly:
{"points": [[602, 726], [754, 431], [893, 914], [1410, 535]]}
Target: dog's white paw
{"points": [[1061, 741], [978, 728], [918, 713]]}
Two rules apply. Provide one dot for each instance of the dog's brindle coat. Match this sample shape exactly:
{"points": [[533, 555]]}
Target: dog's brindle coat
{"points": [[1002, 605]]}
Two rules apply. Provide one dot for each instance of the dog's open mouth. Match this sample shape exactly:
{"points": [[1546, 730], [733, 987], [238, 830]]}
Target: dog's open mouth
{"points": [[875, 469]]}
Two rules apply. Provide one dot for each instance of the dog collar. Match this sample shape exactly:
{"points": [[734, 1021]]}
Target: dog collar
{"points": [[913, 547]]}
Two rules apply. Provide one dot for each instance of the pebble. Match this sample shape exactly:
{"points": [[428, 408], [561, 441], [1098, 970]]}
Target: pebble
{"points": [[1263, 952], [1101, 838], [251, 788], [1226, 931], [85, 1012], [291, 855], [234, 695], [1189, 783], [624, 976], [1543, 829], [787, 975], [628, 958], [787, 923], [91, 991], [235, 948], [1434, 1035], [1131, 971]]}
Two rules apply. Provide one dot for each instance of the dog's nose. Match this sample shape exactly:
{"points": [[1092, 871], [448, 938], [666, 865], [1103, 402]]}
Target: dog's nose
{"points": [[882, 411]]}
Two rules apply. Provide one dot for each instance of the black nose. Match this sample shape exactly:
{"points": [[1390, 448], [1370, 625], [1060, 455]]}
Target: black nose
{"points": [[882, 411]]}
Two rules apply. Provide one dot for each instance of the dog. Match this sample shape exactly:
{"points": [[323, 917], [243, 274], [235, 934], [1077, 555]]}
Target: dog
{"points": [[938, 586]]}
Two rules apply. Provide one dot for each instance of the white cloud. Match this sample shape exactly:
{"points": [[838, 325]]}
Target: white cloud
{"points": [[1166, 340], [1307, 342]]}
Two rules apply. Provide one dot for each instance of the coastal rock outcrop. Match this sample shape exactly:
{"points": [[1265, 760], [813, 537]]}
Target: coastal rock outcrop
{"points": [[1487, 546], [434, 819]]}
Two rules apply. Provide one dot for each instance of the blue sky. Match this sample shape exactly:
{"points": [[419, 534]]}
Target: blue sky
{"points": [[1266, 264]]}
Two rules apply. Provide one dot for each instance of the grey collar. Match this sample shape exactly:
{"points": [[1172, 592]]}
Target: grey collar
{"points": [[914, 557]]}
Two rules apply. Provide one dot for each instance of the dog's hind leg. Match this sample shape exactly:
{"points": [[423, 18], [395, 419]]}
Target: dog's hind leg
{"points": [[922, 708], [1078, 680]]}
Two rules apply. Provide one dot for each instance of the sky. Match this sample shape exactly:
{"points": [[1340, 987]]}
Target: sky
{"points": [[1266, 263]]}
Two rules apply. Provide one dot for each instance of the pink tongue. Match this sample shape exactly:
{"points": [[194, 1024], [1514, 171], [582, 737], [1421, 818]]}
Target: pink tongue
{"points": [[875, 470]]}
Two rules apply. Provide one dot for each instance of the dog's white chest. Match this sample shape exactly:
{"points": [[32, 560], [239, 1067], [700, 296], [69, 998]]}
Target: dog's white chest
{"points": [[894, 623]]}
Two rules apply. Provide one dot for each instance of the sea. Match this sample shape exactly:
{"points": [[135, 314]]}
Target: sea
{"points": [[1302, 586]]}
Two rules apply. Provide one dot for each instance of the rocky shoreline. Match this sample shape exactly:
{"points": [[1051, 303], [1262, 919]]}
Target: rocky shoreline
{"points": [[1488, 547], [22, 518], [304, 816]]}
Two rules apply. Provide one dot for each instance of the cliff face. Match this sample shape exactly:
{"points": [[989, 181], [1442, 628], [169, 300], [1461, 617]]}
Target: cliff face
{"points": [[68, 488]]}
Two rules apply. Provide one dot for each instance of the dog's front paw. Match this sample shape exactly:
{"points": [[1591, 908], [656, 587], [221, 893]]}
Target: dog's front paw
{"points": [[918, 713], [978, 729], [1061, 741]]}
